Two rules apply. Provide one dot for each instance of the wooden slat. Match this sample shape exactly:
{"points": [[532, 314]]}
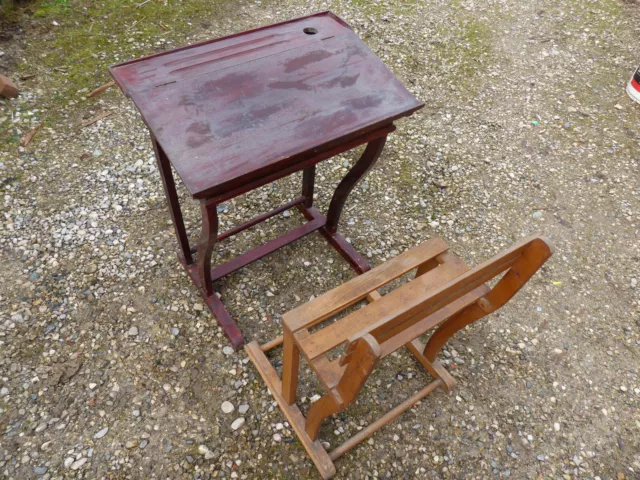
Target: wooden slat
{"points": [[389, 306], [331, 372], [317, 453], [428, 322], [446, 293], [356, 289]]}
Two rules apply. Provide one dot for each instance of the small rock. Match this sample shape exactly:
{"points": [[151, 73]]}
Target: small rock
{"points": [[227, 350], [175, 331], [67, 462], [101, 433], [4, 391], [537, 214], [277, 437], [227, 407], [78, 463], [243, 409], [143, 444], [133, 332], [131, 444], [237, 423], [40, 470], [8, 89], [198, 307]]}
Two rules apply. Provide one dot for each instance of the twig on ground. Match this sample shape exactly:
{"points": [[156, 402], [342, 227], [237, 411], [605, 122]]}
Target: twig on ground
{"points": [[29, 136], [100, 116], [101, 89]]}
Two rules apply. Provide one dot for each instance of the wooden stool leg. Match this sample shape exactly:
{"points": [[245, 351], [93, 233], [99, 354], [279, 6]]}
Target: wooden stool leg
{"points": [[208, 238], [290, 366], [359, 170], [317, 453], [434, 368], [437, 340], [364, 354]]}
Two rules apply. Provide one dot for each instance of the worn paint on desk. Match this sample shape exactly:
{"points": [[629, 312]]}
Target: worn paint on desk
{"points": [[232, 110]]}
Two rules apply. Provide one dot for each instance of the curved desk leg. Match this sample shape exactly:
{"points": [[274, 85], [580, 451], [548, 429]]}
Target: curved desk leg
{"points": [[359, 170], [208, 238]]}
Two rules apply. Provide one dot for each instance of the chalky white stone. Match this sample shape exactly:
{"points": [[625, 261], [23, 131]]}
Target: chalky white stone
{"points": [[237, 423], [227, 407]]}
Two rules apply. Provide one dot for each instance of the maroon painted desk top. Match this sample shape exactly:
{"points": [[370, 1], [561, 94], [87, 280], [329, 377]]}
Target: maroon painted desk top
{"points": [[232, 110]]}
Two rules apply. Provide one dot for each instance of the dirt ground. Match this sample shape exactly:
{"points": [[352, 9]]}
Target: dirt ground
{"points": [[110, 367]]}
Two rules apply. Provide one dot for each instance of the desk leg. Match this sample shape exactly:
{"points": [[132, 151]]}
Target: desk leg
{"points": [[308, 182], [359, 170], [172, 200], [208, 238]]}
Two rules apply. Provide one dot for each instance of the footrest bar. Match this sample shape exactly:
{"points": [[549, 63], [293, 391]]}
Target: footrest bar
{"points": [[260, 218], [265, 249], [382, 421], [337, 241]]}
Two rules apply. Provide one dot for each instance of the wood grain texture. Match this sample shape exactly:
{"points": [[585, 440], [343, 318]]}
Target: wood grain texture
{"points": [[358, 288], [231, 110]]}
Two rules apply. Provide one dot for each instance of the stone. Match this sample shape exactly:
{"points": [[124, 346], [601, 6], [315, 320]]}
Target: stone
{"points": [[101, 433], [8, 89], [133, 332], [277, 437], [243, 409], [40, 470], [4, 391], [227, 407], [131, 444], [79, 463], [237, 423], [227, 350]]}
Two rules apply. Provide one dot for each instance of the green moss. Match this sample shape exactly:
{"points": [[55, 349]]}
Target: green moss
{"points": [[52, 8], [466, 49], [90, 35]]}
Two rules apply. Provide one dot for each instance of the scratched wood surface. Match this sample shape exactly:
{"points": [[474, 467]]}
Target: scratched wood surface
{"points": [[231, 110]]}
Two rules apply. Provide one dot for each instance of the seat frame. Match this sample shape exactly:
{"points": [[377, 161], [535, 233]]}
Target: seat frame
{"points": [[445, 295]]}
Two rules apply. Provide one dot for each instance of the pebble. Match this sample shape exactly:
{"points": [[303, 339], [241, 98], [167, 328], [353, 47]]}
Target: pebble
{"points": [[68, 461], [40, 470], [237, 423], [101, 433], [131, 444], [79, 463], [227, 407], [277, 437], [243, 409], [227, 350], [4, 391], [175, 331], [133, 331]]}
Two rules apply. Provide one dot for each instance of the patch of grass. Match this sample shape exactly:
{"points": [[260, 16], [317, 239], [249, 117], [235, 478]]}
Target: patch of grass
{"points": [[90, 35], [51, 8], [466, 49]]}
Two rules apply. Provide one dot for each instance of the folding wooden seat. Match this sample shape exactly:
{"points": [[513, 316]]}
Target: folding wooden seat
{"points": [[445, 296]]}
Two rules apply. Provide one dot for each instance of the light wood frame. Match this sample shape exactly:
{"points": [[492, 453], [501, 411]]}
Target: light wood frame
{"points": [[445, 295]]}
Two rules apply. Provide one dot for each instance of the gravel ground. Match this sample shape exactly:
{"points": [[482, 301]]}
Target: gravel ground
{"points": [[110, 367]]}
